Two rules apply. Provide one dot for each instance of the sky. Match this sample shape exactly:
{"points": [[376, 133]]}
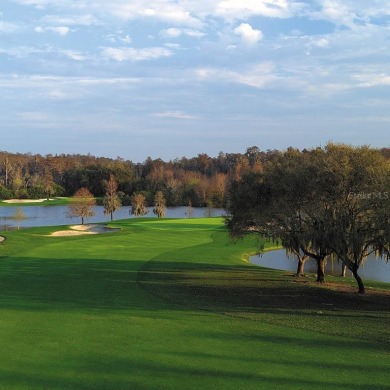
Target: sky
{"points": [[173, 78]]}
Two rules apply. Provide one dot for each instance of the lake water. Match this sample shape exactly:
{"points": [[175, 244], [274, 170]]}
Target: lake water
{"points": [[57, 215], [372, 269]]}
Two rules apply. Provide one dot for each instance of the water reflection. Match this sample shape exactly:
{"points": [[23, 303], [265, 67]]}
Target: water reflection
{"points": [[57, 215], [372, 269]]}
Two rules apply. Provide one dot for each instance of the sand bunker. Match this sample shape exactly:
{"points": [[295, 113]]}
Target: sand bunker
{"points": [[2, 238], [25, 200], [85, 229]]}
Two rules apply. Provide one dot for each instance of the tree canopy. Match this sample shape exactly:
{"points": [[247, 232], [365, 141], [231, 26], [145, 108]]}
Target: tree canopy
{"points": [[111, 200], [322, 203], [82, 204]]}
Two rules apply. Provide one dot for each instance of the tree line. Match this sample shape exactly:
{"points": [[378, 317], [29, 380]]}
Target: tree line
{"points": [[324, 203], [200, 181]]}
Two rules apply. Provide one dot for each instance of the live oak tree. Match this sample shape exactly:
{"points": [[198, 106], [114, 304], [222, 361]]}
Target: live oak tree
{"points": [[111, 200], [82, 204], [360, 220], [271, 204], [138, 205], [159, 204], [330, 202]]}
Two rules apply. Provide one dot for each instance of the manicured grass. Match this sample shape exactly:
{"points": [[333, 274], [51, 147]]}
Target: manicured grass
{"points": [[172, 304]]}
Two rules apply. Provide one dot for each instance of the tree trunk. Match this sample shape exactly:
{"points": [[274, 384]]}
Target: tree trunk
{"points": [[343, 271], [112, 217], [359, 280], [321, 270], [82, 220], [301, 265]]}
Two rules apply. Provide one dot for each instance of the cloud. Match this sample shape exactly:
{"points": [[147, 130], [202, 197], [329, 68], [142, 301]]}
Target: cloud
{"points": [[238, 9], [75, 55], [36, 82], [132, 54], [6, 27], [73, 20], [62, 31], [320, 42], [42, 4], [372, 80], [248, 35], [338, 12], [177, 32], [174, 115], [350, 13], [258, 76], [172, 32], [114, 38], [166, 11]]}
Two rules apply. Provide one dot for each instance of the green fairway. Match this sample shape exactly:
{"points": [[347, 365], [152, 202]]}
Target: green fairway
{"points": [[172, 304]]}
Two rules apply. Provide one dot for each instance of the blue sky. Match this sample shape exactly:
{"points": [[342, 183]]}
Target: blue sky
{"points": [[167, 78]]}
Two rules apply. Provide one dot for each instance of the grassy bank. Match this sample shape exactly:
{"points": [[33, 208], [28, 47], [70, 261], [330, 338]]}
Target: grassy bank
{"points": [[167, 304]]}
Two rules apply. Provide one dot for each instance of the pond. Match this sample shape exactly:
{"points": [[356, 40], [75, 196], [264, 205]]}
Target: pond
{"points": [[372, 269], [57, 215]]}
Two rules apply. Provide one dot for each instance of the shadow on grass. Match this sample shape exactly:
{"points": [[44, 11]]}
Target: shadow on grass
{"points": [[267, 295], [115, 284], [250, 288], [140, 374], [55, 284], [244, 291]]}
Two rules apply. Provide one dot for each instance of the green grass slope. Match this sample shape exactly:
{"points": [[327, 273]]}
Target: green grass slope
{"points": [[171, 304]]}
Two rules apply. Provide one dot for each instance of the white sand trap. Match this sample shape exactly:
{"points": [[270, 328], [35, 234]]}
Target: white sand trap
{"points": [[2, 238], [78, 230], [25, 200]]}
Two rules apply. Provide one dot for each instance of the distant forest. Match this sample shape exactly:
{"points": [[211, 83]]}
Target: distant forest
{"points": [[198, 181]]}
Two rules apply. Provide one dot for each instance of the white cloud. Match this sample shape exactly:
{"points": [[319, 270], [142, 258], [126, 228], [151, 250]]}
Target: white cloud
{"points": [[171, 32], [351, 13], [132, 54], [7, 27], [174, 32], [73, 20], [126, 39], [248, 35], [166, 11], [195, 33], [338, 12], [238, 9], [174, 115], [53, 82], [74, 55], [258, 76], [372, 80], [320, 42], [26, 51], [62, 31], [42, 4], [173, 45]]}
